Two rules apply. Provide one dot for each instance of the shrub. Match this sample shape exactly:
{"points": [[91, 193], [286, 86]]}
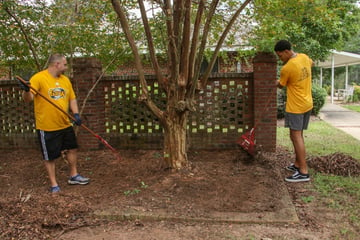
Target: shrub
{"points": [[327, 89], [319, 95], [356, 96], [281, 100]]}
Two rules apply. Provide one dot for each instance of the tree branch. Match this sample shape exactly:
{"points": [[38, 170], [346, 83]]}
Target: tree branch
{"points": [[172, 46], [27, 38], [95, 84], [178, 7], [143, 84], [151, 47], [185, 46], [220, 42], [195, 38], [200, 55]]}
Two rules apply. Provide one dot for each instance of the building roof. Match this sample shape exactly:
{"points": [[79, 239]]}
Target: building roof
{"points": [[340, 59]]}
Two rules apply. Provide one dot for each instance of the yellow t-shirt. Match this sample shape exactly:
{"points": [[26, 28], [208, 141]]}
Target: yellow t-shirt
{"points": [[60, 92], [296, 76]]}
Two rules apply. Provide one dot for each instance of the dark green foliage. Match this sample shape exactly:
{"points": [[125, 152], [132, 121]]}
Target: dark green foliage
{"points": [[356, 96], [327, 89], [281, 100], [319, 97]]}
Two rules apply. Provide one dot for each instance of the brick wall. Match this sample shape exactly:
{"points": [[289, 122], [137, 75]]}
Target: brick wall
{"points": [[232, 104], [86, 72], [225, 65], [260, 107], [265, 101]]}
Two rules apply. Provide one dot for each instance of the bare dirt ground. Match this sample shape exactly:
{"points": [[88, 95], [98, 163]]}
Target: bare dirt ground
{"points": [[217, 181]]}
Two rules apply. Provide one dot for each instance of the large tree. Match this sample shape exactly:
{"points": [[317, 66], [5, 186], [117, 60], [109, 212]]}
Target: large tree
{"points": [[186, 27]]}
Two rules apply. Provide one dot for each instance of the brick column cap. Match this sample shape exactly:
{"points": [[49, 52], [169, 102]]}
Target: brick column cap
{"points": [[264, 57]]}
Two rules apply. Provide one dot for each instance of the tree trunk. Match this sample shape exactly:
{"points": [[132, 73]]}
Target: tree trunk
{"points": [[175, 144]]}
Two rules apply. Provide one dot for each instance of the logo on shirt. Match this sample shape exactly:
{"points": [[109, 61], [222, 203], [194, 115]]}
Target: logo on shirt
{"points": [[304, 74], [56, 93]]}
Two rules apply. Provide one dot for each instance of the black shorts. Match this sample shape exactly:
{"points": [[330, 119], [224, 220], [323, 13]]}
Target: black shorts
{"points": [[54, 142], [297, 121]]}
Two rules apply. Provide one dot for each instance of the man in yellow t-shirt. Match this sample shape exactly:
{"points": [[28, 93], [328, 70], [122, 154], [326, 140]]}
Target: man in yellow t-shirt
{"points": [[296, 76], [54, 128]]}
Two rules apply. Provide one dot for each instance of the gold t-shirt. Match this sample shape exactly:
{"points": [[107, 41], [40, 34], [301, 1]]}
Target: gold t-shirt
{"points": [[57, 90], [296, 76]]}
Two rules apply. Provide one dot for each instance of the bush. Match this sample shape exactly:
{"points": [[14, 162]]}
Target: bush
{"points": [[327, 89], [319, 95], [281, 100], [356, 96]]}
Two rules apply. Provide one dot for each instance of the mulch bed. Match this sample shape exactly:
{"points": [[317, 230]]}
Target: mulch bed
{"points": [[219, 181]]}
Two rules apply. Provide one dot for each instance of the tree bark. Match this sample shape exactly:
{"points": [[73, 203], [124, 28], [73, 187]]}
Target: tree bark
{"points": [[175, 144]]}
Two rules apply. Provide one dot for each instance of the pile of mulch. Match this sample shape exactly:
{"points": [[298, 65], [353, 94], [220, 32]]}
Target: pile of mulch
{"points": [[337, 163]]}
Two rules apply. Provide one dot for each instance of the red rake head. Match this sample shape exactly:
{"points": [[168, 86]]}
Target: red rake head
{"points": [[116, 154], [247, 142]]}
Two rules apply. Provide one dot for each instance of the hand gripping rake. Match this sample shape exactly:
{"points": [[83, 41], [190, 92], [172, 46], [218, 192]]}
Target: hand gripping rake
{"points": [[117, 155]]}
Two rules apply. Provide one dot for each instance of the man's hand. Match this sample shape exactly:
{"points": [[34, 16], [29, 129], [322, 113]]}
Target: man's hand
{"points": [[24, 86], [77, 119]]}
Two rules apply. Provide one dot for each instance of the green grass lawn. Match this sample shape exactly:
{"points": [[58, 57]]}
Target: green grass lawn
{"points": [[323, 139], [340, 193], [355, 108]]}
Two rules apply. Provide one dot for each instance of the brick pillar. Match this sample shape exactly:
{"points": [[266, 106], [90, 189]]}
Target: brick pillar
{"points": [[265, 101], [85, 73]]}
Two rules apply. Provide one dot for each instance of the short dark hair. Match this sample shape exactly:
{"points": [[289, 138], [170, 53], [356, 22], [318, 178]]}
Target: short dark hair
{"points": [[55, 58], [282, 45]]}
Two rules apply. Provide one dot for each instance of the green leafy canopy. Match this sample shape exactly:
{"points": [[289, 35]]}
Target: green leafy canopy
{"points": [[91, 28], [313, 26]]}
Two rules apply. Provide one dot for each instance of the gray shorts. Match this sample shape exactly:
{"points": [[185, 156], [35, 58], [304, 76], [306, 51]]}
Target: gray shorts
{"points": [[297, 121]]}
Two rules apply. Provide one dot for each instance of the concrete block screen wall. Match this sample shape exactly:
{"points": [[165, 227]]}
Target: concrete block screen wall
{"points": [[231, 104]]}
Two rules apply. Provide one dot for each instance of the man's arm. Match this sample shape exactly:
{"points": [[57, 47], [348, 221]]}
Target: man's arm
{"points": [[28, 96], [75, 110], [74, 106], [279, 85]]}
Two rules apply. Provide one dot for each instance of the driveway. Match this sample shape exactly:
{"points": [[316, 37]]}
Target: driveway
{"points": [[342, 118]]}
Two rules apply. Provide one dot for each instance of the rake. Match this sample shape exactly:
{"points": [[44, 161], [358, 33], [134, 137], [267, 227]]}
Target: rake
{"points": [[247, 140]]}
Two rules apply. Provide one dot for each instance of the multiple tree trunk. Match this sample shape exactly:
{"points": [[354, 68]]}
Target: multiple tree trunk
{"points": [[186, 41]]}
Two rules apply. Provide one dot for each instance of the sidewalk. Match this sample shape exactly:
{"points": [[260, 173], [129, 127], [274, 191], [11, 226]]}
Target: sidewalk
{"points": [[341, 118]]}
